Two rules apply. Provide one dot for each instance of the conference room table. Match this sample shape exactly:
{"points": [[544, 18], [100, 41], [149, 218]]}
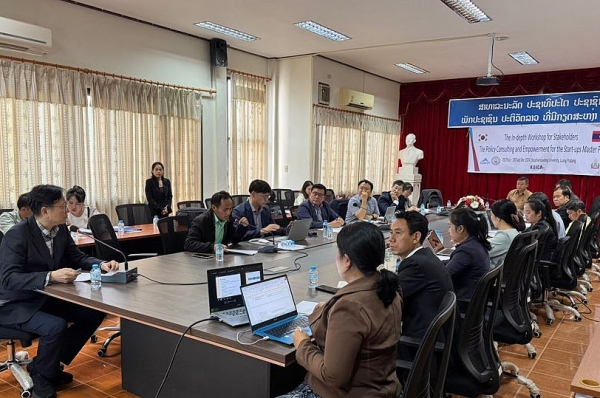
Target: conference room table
{"points": [[144, 237]]}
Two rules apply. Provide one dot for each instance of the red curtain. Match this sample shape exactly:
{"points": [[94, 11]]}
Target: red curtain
{"points": [[424, 111]]}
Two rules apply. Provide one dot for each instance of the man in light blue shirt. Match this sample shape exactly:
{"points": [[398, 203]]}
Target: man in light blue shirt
{"points": [[362, 207], [11, 218]]}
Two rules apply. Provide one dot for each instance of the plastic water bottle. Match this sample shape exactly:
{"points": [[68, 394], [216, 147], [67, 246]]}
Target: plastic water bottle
{"points": [[219, 252], [449, 203], [96, 277], [422, 209], [487, 205], [313, 277], [390, 264], [155, 222], [325, 225], [327, 230], [120, 228], [439, 209]]}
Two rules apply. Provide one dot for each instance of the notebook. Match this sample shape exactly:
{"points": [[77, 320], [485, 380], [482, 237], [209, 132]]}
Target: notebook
{"points": [[299, 230], [272, 310], [224, 295]]}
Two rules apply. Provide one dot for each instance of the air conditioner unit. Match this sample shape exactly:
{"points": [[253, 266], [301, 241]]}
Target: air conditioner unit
{"points": [[356, 99], [24, 37]]}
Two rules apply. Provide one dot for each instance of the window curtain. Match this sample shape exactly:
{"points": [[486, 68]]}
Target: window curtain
{"points": [[351, 147], [424, 112], [248, 132], [43, 128]]}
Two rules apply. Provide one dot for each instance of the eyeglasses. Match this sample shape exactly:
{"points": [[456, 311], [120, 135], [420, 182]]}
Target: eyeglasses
{"points": [[318, 195]]}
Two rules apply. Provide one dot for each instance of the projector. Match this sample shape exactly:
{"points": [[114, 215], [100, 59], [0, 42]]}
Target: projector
{"points": [[487, 81]]}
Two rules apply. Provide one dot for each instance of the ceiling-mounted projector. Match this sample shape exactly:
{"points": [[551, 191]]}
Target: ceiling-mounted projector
{"points": [[489, 80]]}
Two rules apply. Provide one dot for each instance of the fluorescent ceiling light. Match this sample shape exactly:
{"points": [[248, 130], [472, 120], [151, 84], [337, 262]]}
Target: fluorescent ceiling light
{"points": [[224, 30], [524, 58], [321, 30], [467, 10], [412, 68]]}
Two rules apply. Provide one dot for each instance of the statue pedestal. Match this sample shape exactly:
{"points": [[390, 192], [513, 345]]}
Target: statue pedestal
{"points": [[411, 174]]}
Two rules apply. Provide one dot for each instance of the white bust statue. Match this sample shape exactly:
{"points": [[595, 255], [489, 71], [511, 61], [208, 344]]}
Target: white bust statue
{"points": [[410, 155]]}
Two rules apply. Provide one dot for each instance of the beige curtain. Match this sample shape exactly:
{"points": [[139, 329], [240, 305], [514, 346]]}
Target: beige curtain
{"points": [[350, 147], [248, 132], [50, 134]]}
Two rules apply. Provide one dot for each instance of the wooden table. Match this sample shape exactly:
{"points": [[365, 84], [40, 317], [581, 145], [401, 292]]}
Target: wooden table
{"points": [[147, 231], [587, 379]]}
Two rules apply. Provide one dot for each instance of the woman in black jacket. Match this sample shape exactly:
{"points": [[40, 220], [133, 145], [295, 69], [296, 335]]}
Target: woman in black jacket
{"points": [[158, 192]]}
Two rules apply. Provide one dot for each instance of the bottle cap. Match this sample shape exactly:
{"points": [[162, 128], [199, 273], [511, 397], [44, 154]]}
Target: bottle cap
{"points": [[313, 267]]}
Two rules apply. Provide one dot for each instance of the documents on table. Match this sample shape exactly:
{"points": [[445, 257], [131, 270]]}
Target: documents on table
{"points": [[306, 307], [242, 251]]}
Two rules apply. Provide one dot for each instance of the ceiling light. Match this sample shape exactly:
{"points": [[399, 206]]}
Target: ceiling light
{"points": [[467, 10], [321, 30], [524, 58], [224, 30], [412, 68]]}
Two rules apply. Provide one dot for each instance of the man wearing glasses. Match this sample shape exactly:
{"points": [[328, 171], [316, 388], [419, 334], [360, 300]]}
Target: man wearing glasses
{"points": [[33, 255], [257, 212], [319, 210]]}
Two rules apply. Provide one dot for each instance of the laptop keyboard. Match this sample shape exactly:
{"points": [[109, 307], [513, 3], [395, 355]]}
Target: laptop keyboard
{"points": [[235, 312], [288, 327]]}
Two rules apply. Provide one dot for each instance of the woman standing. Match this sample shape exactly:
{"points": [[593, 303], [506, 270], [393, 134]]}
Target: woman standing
{"points": [[509, 224], [357, 330], [158, 192]]}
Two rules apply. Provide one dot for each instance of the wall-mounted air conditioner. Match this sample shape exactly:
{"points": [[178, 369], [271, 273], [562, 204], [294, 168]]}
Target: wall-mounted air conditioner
{"points": [[24, 37], [356, 99]]}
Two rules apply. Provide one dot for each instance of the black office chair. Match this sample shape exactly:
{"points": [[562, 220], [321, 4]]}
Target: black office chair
{"points": [[5, 210], [12, 363], [430, 366], [583, 254], [431, 198], [239, 199], [190, 203], [103, 230], [284, 196], [191, 213], [294, 212], [475, 368], [377, 197], [279, 215], [208, 202], [1, 236], [343, 209], [134, 213], [329, 195], [173, 232]]}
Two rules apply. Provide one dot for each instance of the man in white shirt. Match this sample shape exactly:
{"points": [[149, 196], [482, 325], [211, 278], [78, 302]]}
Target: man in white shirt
{"points": [[10, 218]]}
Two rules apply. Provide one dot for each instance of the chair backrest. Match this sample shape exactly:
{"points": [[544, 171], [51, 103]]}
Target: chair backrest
{"points": [[173, 231], [418, 383], [431, 198], [513, 321], [584, 248], [294, 212], [190, 203], [329, 195], [284, 196], [5, 210], [103, 230], [595, 207], [191, 213], [564, 275], [473, 351], [208, 202], [377, 197], [239, 199], [343, 209], [278, 213], [134, 213]]}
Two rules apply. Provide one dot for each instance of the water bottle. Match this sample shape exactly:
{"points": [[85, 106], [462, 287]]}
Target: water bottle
{"points": [[219, 252], [155, 222], [328, 230], [487, 205], [390, 264], [313, 277], [422, 209], [96, 277], [448, 203], [120, 228], [325, 225]]}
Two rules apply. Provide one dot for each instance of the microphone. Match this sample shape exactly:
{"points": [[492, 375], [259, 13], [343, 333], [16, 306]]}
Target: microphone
{"points": [[125, 276]]}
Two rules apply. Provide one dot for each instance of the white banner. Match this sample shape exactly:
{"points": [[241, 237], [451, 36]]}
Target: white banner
{"points": [[535, 149]]}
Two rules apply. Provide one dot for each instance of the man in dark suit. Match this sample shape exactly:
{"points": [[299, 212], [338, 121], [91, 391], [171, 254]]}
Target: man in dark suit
{"points": [[257, 212], [35, 253], [319, 210], [423, 277], [390, 198], [215, 226]]}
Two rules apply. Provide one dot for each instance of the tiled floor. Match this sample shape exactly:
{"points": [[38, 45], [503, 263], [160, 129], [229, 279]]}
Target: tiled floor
{"points": [[559, 351]]}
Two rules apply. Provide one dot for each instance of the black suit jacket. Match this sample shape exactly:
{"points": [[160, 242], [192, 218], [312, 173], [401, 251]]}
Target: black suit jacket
{"points": [[201, 236], [307, 210], [424, 281], [157, 200], [24, 264]]}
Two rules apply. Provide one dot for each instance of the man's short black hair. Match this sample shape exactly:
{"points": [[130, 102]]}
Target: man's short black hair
{"points": [[564, 184], [366, 182], [43, 196], [524, 179], [23, 201], [415, 221], [319, 186], [564, 192], [397, 182], [259, 186], [218, 197], [575, 205], [407, 186]]}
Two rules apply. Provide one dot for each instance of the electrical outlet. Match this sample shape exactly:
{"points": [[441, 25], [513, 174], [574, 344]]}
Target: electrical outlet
{"points": [[286, 168]]}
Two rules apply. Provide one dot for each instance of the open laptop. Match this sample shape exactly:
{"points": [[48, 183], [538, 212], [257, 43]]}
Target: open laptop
{"points": [[224, 295], [298, 231], [433, 240], [272, 311], [492, 230], [390, 214]]}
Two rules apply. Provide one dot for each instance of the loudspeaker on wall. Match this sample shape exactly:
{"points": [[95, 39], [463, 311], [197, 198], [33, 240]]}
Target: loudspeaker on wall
{"points": [[218, 52]]}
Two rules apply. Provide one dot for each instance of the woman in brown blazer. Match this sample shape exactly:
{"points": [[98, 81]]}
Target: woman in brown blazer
{"points": [[357, 330]]}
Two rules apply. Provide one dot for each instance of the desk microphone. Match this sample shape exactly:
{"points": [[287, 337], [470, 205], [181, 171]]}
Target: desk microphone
{"points": [[269, 249], [124, 276]]}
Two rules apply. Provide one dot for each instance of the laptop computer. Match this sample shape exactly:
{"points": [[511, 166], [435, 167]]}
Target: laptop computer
{"points": [[492, 229], [298, 231], [224, 295], [390, 214], [272, 311]]}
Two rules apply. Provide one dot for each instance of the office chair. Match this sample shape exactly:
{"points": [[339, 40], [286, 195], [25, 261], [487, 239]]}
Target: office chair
{"points": [[429, 365], [279, 215], [208, 202], [284, 196], [5, 210], [427, 195], [173, 232], [329, 195], [190, 203], [239, 199], [191, 212], [475, 368], [294, 212], [377, 197], [134, 213], [1, 236], [584, 254], [103, 230], [12, 363]]}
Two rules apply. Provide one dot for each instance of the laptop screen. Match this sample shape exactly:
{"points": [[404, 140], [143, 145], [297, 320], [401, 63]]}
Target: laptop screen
{"points": [[224, 285], [269, 301], [491, 226]]}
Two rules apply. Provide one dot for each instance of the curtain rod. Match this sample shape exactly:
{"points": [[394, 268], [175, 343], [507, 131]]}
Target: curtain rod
{"points": [[355, 113], [248, 74], [85, 70]]}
